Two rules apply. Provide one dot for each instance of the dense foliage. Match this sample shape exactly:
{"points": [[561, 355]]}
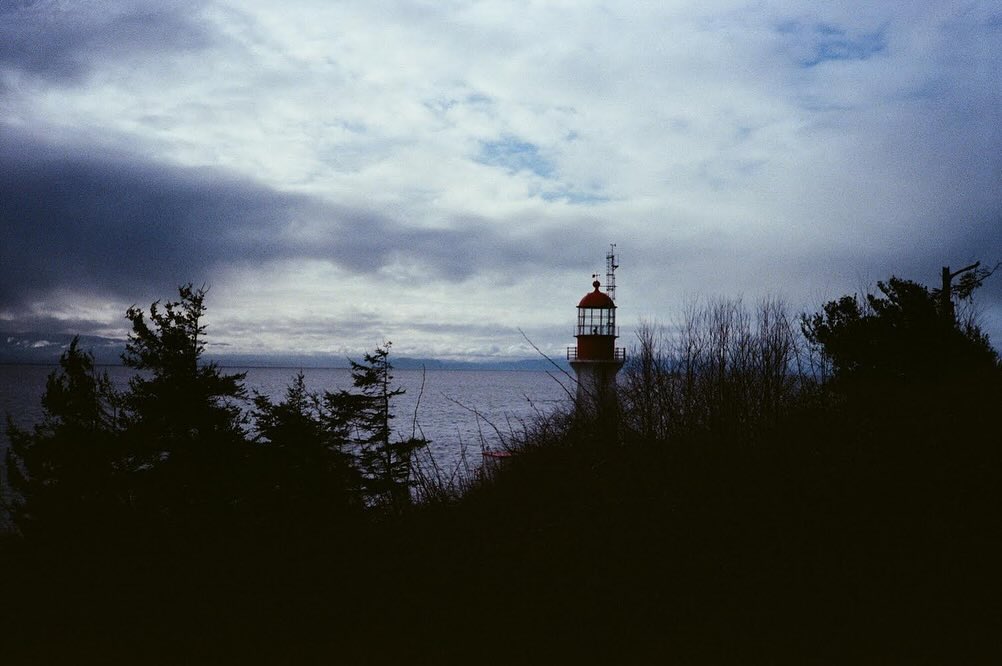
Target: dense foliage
{"points": [[763, 493], [903, 335], [66, 471], [178, 449]]}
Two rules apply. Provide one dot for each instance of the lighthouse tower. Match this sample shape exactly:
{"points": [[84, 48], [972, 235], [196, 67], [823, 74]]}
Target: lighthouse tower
{"points": [[596, 359]]}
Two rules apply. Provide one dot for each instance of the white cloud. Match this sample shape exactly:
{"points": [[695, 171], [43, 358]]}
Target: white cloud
{"points": [[728, 147]]}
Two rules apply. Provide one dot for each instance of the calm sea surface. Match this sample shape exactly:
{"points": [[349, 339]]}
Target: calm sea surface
{"points": [[446, 409]]}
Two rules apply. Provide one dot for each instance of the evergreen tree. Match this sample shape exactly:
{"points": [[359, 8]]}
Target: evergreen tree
{"points": [[904, 366], [385, 463], [185, 426], [904, 335], [65, 471], [304, 458]]}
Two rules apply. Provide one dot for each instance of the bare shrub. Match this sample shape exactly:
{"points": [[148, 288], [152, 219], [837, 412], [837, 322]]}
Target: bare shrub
{"points": [[722, 365]]}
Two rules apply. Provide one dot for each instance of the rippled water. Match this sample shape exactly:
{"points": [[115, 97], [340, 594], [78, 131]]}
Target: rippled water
{"points": [[456, 409]]}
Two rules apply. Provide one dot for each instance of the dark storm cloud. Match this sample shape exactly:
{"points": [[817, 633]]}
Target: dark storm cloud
{"points": [[62, 42], [469, 246], [117, 225], [120, 226]]}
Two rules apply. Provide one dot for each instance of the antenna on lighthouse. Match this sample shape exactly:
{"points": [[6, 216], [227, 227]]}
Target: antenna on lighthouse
{"points": [[610, 271]]}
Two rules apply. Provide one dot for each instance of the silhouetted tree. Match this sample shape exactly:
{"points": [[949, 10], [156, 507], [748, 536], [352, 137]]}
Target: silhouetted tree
{"points": [[970, 278], [901, 336], [904, 371], [65, 471], [185, 429], [304, 460], [385, 463]]}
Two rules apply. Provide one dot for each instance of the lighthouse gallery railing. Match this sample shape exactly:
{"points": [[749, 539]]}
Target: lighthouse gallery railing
{"points": [[618, 354]]}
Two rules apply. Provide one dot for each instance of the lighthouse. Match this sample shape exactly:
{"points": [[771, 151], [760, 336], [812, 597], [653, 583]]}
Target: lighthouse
{"points": [[595, 358]]}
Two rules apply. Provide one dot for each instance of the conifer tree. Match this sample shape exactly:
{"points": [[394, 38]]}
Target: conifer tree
{"points": [[185, 427], [903, 363], [385, 463], [65, 472], [903, 335], [304, 458]]}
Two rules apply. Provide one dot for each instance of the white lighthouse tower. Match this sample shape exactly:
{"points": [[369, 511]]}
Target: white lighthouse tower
{"points": [[595, 358]]}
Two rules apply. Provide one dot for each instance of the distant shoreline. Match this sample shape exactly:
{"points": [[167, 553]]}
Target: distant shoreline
{"points": [[521, 365], [41, 349]]}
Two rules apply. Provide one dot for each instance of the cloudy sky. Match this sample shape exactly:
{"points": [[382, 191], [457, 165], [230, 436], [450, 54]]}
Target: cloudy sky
{"points": [[441, 173]]}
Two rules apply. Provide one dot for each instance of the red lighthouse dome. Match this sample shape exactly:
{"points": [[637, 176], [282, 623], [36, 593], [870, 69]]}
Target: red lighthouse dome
{"points": [[596, 299]]}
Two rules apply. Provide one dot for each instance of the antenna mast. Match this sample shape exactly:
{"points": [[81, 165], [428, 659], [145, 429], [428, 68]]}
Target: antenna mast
{"points": [[610, 271]]}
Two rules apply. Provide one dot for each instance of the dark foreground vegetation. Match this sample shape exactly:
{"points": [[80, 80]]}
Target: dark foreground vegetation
{"points": [[768, 490]]}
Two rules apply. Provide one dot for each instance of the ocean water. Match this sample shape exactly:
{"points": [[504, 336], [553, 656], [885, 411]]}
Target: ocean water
{"points": [[460, 411]]}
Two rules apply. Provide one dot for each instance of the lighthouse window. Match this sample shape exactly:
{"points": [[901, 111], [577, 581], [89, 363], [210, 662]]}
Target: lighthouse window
{"points": [[596, 321]]}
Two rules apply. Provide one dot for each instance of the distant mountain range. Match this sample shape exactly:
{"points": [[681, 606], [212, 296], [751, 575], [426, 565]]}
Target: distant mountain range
{"points": [[45, 349]]}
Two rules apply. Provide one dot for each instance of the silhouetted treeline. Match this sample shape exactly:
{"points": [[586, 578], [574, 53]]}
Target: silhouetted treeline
{"points": [[768, 489], [177, 449]]}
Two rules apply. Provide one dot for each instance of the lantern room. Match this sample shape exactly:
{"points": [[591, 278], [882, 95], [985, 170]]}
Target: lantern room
{"points": [[596, 330]]}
